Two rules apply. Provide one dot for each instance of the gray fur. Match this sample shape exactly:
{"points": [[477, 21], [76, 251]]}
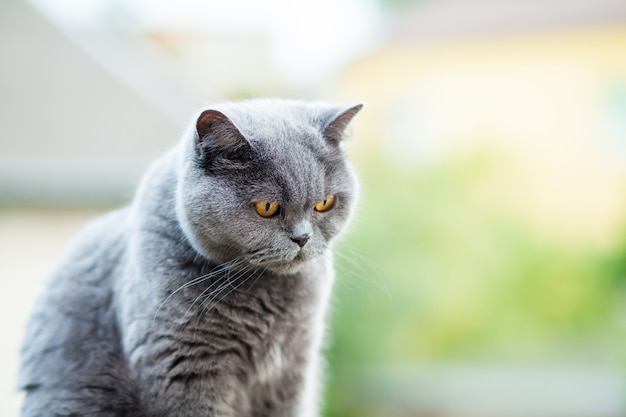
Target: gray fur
{"points": [[188, 303]]}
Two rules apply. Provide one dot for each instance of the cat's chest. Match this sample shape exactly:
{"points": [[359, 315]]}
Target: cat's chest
{"points": [[271, 364], [278, 324]]}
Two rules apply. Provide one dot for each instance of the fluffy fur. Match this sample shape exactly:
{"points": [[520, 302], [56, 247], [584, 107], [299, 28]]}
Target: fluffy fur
{"points": [[188, 303]]}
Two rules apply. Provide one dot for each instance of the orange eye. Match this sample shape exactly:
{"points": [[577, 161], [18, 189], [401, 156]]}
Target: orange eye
{"points": [[326, 204], [267, 208]]}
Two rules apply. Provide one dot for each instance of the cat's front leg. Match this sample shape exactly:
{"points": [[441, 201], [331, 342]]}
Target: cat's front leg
{"points": [[294, 393], [307, 401], [191, 395]]}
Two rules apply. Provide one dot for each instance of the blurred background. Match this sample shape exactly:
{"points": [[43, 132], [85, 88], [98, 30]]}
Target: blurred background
{"points": [[485, 274]]}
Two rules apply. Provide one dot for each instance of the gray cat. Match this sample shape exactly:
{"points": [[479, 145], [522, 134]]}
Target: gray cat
{"points": [[207, 295]]}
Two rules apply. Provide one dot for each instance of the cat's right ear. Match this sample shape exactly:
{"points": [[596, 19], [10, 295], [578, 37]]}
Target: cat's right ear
{"points": [[219, 142], [335, 128]]}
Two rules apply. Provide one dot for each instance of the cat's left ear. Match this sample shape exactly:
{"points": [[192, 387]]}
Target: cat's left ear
{"points": [[335, 127], [219, 142]]}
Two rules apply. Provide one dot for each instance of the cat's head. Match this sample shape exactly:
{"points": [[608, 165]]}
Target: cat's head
{"points": [[266, 181]]}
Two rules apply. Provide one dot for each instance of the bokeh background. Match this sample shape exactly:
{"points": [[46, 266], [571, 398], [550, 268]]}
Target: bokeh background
{"points": [[485, 273]]}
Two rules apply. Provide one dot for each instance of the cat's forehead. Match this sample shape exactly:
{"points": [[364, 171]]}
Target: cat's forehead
{"points": [[275, 120], [295, 172], [288, 133], [292, 159], [292, 173], [270, 108]]}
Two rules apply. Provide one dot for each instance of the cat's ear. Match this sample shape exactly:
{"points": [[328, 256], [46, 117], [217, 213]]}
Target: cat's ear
{"points": [[218, 140], [335, 126]]}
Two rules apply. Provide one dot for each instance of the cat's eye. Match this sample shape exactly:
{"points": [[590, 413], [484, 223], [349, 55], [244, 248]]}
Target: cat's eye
{"points": [[267, 208], [326, 204]]}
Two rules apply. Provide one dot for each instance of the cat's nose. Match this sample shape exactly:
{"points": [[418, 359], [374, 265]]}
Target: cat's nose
{"points": [[301, 239]]}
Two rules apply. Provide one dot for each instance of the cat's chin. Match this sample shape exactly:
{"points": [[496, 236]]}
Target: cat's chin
{"points": [[290, 269], [276, 266], [284, 267]]}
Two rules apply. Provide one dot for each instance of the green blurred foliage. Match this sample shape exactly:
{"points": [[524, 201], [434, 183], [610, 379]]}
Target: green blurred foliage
{"points": [[430, 273]]}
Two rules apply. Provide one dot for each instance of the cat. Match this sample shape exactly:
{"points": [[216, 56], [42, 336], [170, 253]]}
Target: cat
{"points": [[207, 295]]}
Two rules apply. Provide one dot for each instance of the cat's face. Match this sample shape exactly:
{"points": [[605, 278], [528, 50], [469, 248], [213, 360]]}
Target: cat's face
{"points": [[266, 182]]}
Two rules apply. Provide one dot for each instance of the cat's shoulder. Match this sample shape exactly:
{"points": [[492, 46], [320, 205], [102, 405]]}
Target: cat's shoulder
{"points": [[105, 229], [101, 242]]}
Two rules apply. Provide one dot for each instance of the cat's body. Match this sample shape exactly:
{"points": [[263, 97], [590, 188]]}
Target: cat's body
{"points": [[195, 300]]}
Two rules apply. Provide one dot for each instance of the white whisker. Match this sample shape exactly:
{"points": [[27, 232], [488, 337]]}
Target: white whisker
{"points": [[196, 281], [211, 299], [365, 270], [211, 288]]}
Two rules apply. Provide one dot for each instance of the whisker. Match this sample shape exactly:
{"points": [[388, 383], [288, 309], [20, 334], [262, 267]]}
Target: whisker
{"points": [[211, 288], [357, 253], [257, 278], [354, 282], [366, 270], [194, 281], [211, 300], [197, 281]]}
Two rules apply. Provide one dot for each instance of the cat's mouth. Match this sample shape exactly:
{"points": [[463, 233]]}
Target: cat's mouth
{"points": [[279, 261]]}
